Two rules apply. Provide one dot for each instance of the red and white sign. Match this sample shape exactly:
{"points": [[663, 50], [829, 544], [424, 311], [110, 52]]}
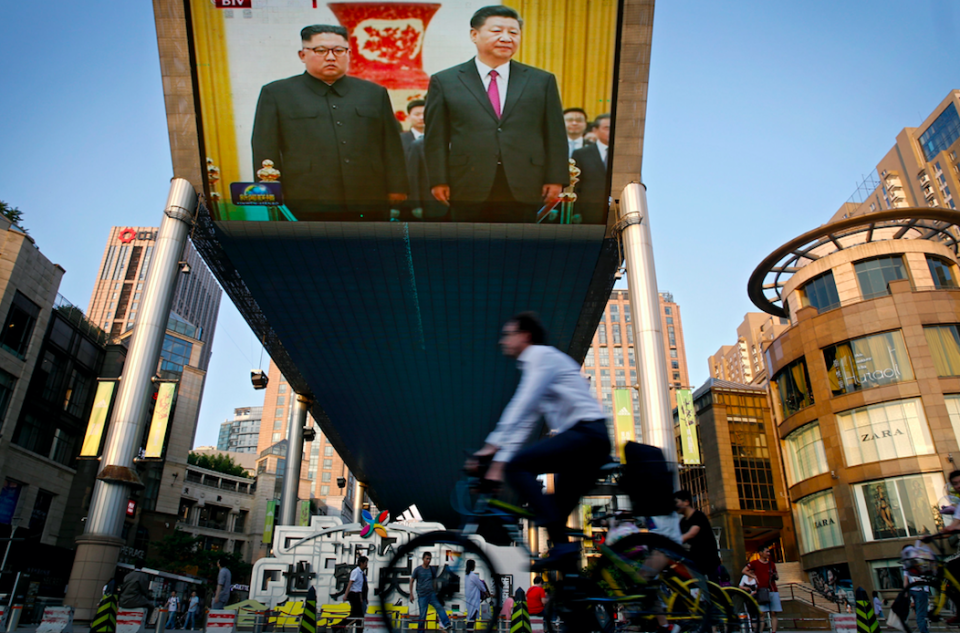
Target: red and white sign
{"points": [[221, 621], [131, 621], [131, 508]]}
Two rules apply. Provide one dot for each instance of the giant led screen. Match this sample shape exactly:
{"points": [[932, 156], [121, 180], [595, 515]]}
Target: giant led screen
{"points": [[406, 111]]}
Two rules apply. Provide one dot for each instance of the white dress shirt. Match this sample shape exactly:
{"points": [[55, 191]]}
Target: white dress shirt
{"points": [[356, 581], [416, 134], [551, 386], [603, 152], [503, 78]]}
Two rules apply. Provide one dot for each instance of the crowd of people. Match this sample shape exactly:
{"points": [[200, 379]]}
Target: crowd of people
{"points": [[489, 142]]}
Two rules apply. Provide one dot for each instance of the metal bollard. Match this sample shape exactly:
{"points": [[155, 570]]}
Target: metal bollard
{"points": [[161, 620]]}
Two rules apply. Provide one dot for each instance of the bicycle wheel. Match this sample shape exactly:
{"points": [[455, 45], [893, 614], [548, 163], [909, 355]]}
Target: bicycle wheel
{"points": [[579, 605], [450, 552], [746, 611], [678, 594]]}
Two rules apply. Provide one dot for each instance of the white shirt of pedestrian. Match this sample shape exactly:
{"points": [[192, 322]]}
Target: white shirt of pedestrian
{"points": [[551, 386], [356, 581]]}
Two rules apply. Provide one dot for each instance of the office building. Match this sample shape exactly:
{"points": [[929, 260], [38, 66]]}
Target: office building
{"points": [[743, 363], [611, 363], [922, 169], [739, 482], [242, 433], [122, 273], [865, 383], [322, 466]]}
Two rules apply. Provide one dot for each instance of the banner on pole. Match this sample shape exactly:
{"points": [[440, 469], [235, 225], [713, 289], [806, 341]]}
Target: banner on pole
{"points": [[303, 516], [98, 419], [161, 420], [268, 523], [623, 423], [688, 427]]}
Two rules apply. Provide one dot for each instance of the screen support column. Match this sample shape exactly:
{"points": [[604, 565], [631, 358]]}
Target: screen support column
{"points": [[291, 476], [656, 417], [99, 547]]}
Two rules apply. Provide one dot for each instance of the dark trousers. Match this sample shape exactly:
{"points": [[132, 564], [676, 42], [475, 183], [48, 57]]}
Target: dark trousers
{"points": [[500, 205], [575, 457], [357, 611]]}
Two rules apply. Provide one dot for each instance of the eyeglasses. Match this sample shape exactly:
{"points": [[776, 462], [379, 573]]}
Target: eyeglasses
{"points": [[339, 51]]}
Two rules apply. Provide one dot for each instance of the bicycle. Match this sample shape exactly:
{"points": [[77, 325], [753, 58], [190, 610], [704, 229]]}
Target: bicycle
{"points": [[611, 597], [936, 579]]}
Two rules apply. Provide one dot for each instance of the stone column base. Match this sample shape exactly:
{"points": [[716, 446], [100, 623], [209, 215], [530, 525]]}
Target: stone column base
{"points": [[94, 565]]}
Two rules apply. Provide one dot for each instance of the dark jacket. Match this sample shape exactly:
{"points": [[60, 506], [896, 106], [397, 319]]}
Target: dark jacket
{"points": [[465, 140], [420, 195], [135, 591], [592, 199], [337, 147]]}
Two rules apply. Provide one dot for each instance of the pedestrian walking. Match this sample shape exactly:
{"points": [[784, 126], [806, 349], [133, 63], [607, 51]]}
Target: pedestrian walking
{"points": [[764, 571], [424, 576], [173, 607], [475, 592], [357, 593], [224, 581], [193, 608], [920, 595]]}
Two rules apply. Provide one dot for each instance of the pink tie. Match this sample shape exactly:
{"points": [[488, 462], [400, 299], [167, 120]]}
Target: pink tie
{"points": [[493, 92]]}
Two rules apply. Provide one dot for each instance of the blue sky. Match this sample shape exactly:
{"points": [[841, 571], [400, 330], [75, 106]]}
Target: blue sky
{"points": [[762, 118]]}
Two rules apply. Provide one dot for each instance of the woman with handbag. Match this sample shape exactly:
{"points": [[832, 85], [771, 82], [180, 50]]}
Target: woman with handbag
{"points": [[764, 571]]}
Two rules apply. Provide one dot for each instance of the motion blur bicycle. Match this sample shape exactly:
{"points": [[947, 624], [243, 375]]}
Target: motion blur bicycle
{"points": [[935, 578], [611, 595]]}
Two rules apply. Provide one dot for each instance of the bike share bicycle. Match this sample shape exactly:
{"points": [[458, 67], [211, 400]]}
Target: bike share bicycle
{"points": [[637, 583]]}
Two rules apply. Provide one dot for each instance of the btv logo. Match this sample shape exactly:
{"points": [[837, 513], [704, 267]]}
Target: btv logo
{"points": [[234, 4]]}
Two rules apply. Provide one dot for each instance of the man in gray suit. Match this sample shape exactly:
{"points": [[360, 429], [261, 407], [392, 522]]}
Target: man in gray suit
{"points": [[495, 142], [334, 138]]}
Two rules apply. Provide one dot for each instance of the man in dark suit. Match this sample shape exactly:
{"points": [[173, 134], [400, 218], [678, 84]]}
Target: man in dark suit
{"points": [[593, 161], [495, 141], [415, 114], [334, 138], [576, 121]]}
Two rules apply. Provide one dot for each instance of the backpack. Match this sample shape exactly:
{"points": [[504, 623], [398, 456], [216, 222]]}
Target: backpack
{"points": [[648, 480]]}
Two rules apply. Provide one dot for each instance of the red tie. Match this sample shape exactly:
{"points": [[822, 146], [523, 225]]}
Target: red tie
{"points": [[493, 92]]}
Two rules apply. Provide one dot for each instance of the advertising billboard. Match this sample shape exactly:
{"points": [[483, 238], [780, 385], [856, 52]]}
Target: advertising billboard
{"points": [[688, 427], [161, 419], [406, 111], [98, 419], [623, 420]]}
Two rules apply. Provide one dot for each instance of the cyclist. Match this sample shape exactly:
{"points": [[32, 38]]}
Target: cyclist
{"points": [[550, 386], [954, 565]]}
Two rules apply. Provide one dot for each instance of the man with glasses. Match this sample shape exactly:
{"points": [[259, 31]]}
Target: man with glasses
{"points": [[334, 138], [551, 386]]}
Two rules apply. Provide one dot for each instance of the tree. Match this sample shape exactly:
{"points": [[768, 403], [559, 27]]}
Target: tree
{"points": [[13, 214], [218, 462], [183, 553]]}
